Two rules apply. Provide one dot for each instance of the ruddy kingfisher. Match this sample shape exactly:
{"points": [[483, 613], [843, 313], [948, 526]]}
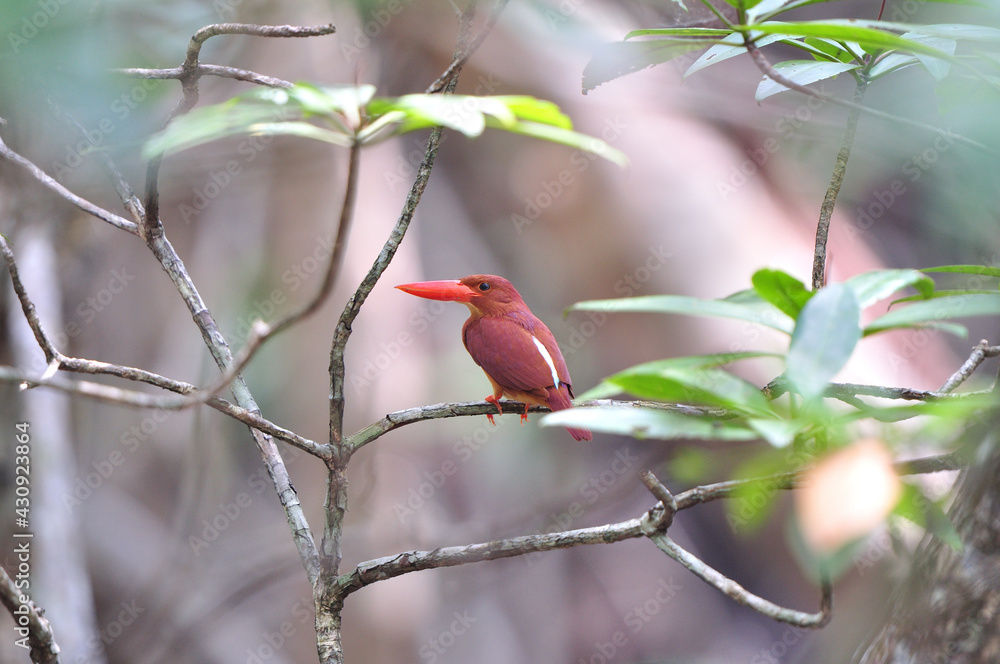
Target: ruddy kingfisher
{"points": [[515, 349]]}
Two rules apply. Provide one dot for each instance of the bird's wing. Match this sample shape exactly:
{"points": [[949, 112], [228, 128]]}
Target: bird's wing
{"points": [[518, 353]]}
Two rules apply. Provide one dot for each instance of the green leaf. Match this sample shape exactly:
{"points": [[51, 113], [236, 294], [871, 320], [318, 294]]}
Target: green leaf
{"points": [[569, 138], [782, 290], [729, 47], [691, 465], [943, 292], [936, 312], [753, 501], [803, 72], [985, 270], [870, 287], [603, 390], [263, 111], [617, 59], [891, 62], [825, 335], [871, 39], [698, 386], [916, 507], [778, 432], [937, 68], [647, 423], [707, 33], [830, 48], [758, 312]]}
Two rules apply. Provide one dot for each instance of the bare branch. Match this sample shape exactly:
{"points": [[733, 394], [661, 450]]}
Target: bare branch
{"points": [[836, 180], [64, 193], [743, 596], [178, 73], [443, 410], [38, 632], [979, 354], [450, 556], [336, 253], [457, 63]]}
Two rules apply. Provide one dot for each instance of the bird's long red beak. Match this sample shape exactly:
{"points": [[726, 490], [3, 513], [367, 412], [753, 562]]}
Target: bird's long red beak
{"points": [[448, 290]]}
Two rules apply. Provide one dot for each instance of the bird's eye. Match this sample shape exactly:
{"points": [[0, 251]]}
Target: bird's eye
{"points": [[485, 286]]}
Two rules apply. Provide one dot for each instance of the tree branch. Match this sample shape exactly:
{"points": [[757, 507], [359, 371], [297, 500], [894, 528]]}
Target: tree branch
{"points": [[836, 180], [982, 351], [37, 629], [64, 193]]}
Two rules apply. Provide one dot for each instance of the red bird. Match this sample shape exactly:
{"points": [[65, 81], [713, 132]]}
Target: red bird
{"points": [[515, 349]]}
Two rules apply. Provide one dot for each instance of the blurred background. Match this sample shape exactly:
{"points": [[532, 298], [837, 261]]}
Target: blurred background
{"points": [[158, 537]]}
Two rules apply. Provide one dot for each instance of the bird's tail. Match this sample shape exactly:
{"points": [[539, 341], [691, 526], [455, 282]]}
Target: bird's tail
{"points": [[559, 400]]}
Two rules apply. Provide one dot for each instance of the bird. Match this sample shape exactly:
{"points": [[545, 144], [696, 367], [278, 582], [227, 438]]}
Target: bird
{"points": [[512, 346]]}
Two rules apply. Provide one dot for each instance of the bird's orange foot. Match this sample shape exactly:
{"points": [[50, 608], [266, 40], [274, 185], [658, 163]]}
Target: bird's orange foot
{"points": [[524, 415], [493, 400]]}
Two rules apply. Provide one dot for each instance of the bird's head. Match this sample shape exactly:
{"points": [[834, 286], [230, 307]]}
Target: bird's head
{"points": [[484, 294]]}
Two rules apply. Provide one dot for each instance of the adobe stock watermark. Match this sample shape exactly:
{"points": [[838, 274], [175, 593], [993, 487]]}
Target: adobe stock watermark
{"points": [[293, 278], [34, 22], [549, 191], [628, 285], [635, 620], [437, 645], [590, 492], [220, 178], [779, 649], [373, 367], [433, 480], [96, 137], [913, 169], [378, 20], [92, 480], [272, 642], [756, 158]]}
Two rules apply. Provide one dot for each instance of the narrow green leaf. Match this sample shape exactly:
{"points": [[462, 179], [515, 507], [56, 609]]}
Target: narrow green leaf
{"points": [[825, 335], [852, 30], [617, 59], [696, 386], [803, 72], [870, 287], [691, 465], [679, 32], [647, 423], [892, 62], [782, 290], [759, 313], [566, 137], [937, 68], [940, 293], [603, 390], [937, 312], [729, 47], [778, 432], [916, 507], [985, 270]]}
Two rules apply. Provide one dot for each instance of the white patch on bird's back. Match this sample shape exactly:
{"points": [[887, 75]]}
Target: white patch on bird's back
{"points": [[548, 360]]}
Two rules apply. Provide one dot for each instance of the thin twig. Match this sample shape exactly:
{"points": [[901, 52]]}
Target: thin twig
{"points": [[836, 180], [64, 193], [401, 418], [178, 73], [38, 632], [964, 372], [457, 63], [412, 561], [740, 594], [336, 253]]}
